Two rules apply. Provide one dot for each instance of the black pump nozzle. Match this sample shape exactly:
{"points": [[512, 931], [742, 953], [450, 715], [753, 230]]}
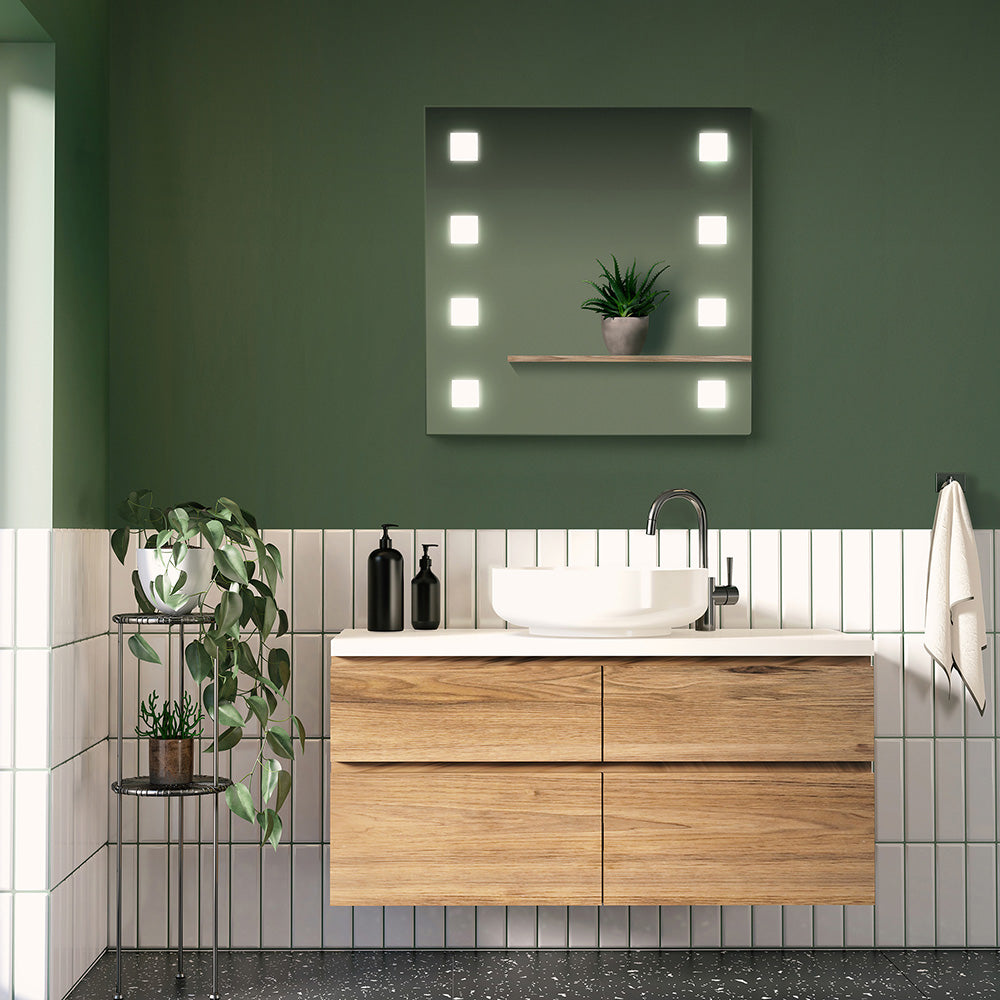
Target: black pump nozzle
{"points": [[425, 559], [385, 542]]}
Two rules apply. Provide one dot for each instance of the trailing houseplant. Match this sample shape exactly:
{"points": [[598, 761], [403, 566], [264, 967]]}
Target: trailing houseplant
{"points": [[238, 642], [624, 302], [171, 730]]}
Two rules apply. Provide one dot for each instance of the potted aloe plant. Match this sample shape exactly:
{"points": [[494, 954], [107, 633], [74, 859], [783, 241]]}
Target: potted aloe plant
{"points": [[238, 642], [624, 301], [171, 731]]}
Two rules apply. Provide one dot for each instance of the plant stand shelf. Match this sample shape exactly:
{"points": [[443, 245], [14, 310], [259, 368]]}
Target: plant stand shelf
{"points": [[142, 787], [201, 784]]}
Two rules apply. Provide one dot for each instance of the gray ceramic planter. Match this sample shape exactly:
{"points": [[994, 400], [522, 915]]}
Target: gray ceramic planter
{"points": [[624, 334]]}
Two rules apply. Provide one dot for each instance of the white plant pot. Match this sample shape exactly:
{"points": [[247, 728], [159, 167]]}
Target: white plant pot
{"points": [[198, 563]]}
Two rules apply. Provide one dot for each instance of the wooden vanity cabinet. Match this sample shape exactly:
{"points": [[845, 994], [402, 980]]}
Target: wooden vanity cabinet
{"points": [[706, 780]]}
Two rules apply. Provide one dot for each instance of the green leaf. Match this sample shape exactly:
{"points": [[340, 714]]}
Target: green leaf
{"points": [[178, 520], [246, 661], [239, 801], [141, 600], [119, 543], [284, 787], [259, 708], [229, 715], [269, 570], [301, 730], [282, 625], [274, 831], [233, 508], [229, 738], [142, 649], [199, 663], [269, 613], [272, 551], [280, 742], [230, 608], [214, 532], [182, 578], [179, 552], [229, 561], [269, 771], [208, 699], [279, 668]]}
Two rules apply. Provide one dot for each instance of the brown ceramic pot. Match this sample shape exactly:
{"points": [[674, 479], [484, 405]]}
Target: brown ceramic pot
{"points": [[171, 762], [624, 334]]}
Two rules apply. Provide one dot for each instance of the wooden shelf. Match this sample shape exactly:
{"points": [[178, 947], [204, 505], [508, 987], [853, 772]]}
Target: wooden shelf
{"points": [[517, 359]]}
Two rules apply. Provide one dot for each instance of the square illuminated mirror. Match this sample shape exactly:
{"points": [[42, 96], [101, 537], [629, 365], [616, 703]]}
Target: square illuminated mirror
{"points": [[544, 198]]}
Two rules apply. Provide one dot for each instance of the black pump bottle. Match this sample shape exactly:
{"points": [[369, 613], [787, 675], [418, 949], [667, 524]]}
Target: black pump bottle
{"points": [[426, 594], [385, 586]]}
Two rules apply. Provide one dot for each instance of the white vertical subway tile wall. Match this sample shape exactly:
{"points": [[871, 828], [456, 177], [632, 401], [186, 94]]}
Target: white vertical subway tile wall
{"points": [[54, 593], [936, 757]]}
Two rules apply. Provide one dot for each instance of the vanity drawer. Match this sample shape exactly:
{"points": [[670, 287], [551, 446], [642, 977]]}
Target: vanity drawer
{"points": [[425, 834], [465, 709], [702, 834], [817, 708]]}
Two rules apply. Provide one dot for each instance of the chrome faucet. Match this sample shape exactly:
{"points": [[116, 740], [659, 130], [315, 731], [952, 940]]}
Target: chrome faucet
{"points": [[717, 596]]}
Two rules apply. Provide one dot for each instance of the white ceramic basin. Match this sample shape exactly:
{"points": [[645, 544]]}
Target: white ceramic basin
{"points": [[600, 601]]}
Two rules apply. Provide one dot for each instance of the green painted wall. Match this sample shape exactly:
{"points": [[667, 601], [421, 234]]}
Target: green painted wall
{"points": [[79, 29], [267, 333]]}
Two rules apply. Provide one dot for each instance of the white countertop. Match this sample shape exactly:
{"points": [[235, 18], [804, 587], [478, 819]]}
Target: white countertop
{"points": [[683, 642]]}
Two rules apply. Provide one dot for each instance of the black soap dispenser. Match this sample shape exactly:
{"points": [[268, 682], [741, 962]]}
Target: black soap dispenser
{"points": [[426, 594], [385, 586]]}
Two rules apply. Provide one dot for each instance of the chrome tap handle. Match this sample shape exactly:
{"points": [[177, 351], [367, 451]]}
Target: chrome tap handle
{"points": [[727, 594]]}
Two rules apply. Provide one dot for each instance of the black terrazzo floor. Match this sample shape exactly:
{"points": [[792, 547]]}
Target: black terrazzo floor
{"points": [[550, 975]]}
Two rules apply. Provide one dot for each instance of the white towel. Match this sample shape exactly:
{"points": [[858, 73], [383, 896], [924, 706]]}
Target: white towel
{"points": [[954, 627]]}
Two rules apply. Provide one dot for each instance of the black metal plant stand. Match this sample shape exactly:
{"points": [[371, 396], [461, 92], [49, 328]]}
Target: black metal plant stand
{"points": [[202, 784]]}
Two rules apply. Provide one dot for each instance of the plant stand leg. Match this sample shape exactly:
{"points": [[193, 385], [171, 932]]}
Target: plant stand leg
{"points": [[214, 995], [180, 889], [180, 846], [118, 865]]}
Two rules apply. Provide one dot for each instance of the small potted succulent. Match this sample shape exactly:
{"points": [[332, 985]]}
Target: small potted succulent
{"points": [[171, 731], [237, 643], [624, 302]]}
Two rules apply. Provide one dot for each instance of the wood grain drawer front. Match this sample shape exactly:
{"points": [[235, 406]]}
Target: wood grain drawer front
{"points": [[460, 709], [745, 709], [426, 835], [759, 836]]}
